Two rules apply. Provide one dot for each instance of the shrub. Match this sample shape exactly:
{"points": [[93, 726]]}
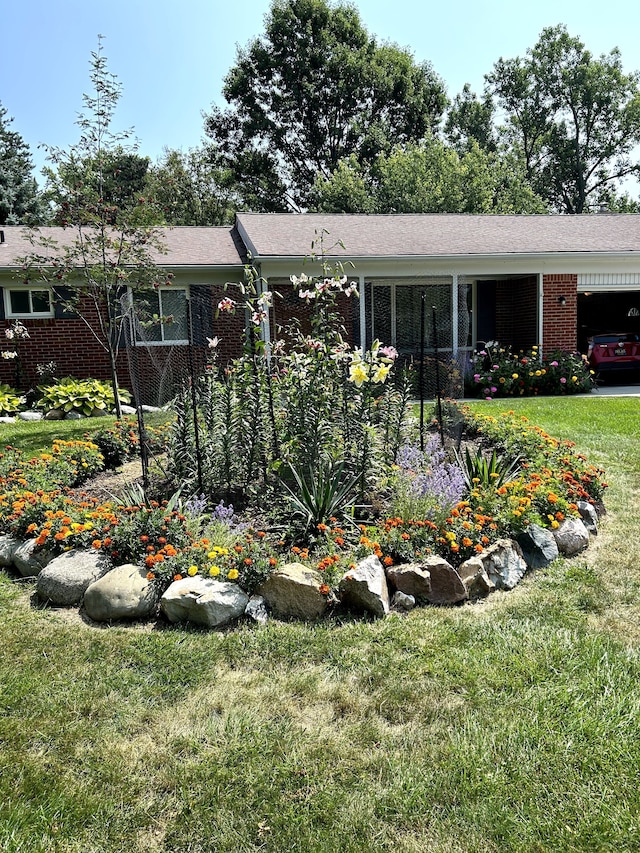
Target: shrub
{"points": [[499, 372], [10, 400], [84, 396]]}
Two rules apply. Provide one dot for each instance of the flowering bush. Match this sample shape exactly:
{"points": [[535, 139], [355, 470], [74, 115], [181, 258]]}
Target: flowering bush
{"points": [[425, 484], [499, 372]]}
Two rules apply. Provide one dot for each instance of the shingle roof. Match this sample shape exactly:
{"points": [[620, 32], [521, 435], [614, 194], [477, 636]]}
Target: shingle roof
{"points": [[438, 235], [186, 246]]}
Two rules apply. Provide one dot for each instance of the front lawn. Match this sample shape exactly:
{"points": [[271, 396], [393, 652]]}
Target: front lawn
{"points": [[506, 725]]}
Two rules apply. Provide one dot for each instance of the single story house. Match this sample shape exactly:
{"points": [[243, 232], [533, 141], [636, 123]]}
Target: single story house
{"points": [[550, 280]]}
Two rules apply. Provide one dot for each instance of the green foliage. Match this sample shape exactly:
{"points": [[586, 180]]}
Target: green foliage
{"points": [[312, 90], [85, 396], [327, 494], [10, 400], [573, 119], [428, 177], [20, 201], [484, 473], [500, 372]]}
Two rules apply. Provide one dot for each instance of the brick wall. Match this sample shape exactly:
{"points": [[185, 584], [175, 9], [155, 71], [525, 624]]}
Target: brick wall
{"points": [[560, 322]]}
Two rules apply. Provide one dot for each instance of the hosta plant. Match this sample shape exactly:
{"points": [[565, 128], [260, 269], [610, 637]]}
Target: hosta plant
{"points": [[84, 396], [10, 400]]}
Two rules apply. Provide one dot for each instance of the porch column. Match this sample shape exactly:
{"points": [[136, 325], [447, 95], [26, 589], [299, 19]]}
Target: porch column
{"points": [[454, 314], [363, 316]]}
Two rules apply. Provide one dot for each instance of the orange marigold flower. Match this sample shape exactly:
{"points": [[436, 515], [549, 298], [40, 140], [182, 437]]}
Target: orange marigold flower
{"points": [[247, 561], [150, 576], [339, 541], [388, 561], [552, 498], [177, 577], [324, 589], [322, 528], [273, 561], [467, 542], [144, 538], [261, 534], [96, 544]]}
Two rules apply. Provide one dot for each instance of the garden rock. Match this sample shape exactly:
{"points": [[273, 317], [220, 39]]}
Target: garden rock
{"points": [[402, 601], [7, 419], [30, 416], [589, 516], [365, 587], [73, 416], [150, 409], [203, 601], [503, 563], [126, 410], [293, 590], [446, 584], [64, 580], [410, 579], [29, 560], [123, 593], [475, 578], [256, 609], [99, 413], [54, 415], [538, 545], [8, 545], [571, 537]]}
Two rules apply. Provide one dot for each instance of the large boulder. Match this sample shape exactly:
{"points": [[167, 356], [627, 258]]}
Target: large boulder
{"points": [[8, 546], [571, 537], [203, 601], [538, 546], [365, 587], [30, 560], [294, 591], [123, 593], [503, 563], [63, 581], [446, 584], [411, 579]]}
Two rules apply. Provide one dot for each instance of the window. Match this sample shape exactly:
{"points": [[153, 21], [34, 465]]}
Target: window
{"points": [[28, 302], [160, 316]]}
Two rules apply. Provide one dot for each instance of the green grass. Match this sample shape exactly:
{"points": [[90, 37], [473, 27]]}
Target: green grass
{"points": [[34, 437], [509, 725]]}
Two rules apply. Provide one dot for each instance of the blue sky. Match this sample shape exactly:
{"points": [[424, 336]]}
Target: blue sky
{"points": [[171, 57]]}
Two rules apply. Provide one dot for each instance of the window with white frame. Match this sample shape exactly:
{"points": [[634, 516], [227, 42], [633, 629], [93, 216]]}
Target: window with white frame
{"points": [[28, 302], [160, 316]]}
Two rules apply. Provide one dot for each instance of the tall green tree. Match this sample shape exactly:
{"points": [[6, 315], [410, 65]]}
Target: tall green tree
{"points": [[429, 177], [118, 177], [20, 201], [574, 119], [111, 250], [313, 89], [189, 189]]}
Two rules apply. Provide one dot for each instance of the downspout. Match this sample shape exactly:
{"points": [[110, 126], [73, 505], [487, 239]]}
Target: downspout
{"points": [[363, 314]]}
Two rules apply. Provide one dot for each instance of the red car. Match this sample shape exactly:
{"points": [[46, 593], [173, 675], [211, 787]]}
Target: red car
{"points": [[614, 351]]}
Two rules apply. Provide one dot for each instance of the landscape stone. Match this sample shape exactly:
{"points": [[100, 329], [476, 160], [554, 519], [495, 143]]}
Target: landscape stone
{"points": [[293, 591], [63, 581], [571, 537], [475, 578], [7, 419], [54, 415], [203, 601], [8, 545], [365, 587], [29, 560], [538, 545], [503, 563], [30, 416], [411, 579], [123, 593], [446, 584], [256, 609], [126, 410], [402, 601], [73, 416], [589, 516]]}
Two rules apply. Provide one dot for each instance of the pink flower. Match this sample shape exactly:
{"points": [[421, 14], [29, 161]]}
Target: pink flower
{"points": [[562, 379], [554, 364], [389, 352], [226, 304]]}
